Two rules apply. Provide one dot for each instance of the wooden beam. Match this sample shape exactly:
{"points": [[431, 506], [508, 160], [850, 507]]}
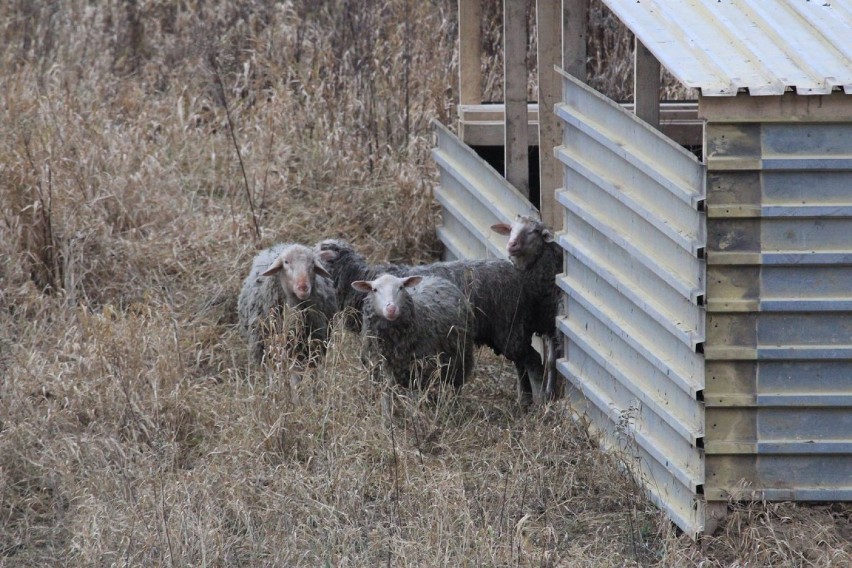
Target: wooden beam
{"points": [[515, 94], [646, 85], [549, 21], [790, 107], [470, 52], [575, 27], [482, 125]]}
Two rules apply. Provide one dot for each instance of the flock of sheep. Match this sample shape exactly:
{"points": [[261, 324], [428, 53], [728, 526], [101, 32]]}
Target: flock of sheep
{"points": [[415, 322]]}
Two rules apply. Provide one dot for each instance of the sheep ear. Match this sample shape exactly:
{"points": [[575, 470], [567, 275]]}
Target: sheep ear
{"points": [[274, 267], [412, 281], [362, 286], [327, 254], [318, 268], [502, 228], [548, 236]]}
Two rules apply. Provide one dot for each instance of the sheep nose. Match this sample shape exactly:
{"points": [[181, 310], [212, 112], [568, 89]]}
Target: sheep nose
{"points": [[391, 312], [303, 291]]}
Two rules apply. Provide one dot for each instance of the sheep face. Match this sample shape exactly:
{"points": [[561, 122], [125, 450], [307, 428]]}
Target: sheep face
{"points": [[388, 294], [527, 237], [296, 268]]}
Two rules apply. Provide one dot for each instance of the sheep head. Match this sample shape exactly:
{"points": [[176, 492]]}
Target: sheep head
{"points": [[296, 267], [527, 238], [388, 293]]}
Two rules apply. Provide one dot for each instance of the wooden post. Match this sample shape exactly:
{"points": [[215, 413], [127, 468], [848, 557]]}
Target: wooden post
{"points": [[515, 94], [470, 52], [575, 26], [646, 85], [548, 17]]}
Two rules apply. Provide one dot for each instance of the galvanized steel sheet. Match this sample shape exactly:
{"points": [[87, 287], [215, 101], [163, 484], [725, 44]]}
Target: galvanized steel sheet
{"points": [[779, 339], [765, 46], [633, 239], [473, 196]]}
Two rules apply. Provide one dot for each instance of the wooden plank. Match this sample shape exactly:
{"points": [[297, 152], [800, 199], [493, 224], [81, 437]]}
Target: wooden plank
{"points": [[482, 125], [575, 26], [515, 94], [646, 85], [549, 93], [470, 52]]}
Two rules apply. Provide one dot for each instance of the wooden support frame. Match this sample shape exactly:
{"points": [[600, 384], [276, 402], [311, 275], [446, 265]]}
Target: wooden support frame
{"points": [[548, 16], [646, 85], [575, 28], [515, 94], [470, 52]]}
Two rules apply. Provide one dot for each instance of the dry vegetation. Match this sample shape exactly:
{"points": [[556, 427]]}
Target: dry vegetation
{"points": [[133, 431]]}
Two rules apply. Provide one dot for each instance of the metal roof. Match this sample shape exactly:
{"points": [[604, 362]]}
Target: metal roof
{"points": [[764, 46]]}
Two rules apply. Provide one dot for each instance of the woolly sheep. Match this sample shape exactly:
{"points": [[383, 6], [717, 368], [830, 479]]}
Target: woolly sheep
{"points": [[281, 285], [417, 324], [494, 288], [533, 251]]}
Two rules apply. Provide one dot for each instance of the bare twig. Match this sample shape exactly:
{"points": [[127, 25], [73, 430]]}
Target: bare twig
{"points": [[406, 58], [503, 504], [396, 492], [218, 76]]}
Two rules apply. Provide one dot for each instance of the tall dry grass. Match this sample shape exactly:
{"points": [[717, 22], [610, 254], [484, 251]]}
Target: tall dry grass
{"points": [[147, 149]]}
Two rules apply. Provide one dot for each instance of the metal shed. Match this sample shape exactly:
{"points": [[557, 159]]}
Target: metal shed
{"points": [[708, 322]]}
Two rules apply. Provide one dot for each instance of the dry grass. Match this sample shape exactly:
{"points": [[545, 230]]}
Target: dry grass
{"points": [[133, 431]]}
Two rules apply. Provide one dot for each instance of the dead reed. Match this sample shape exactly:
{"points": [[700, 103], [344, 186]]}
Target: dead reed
{"points": [[133, 431]]}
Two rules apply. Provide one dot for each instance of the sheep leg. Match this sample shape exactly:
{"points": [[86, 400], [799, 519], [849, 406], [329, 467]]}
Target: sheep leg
{"points": [[530, 377], [256, 347], [467, 365], [535, 371], [553, 352], [525, 397]]}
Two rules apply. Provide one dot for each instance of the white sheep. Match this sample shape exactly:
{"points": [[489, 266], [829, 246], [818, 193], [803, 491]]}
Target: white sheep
{"points": [[417, 325], [282, 294]]}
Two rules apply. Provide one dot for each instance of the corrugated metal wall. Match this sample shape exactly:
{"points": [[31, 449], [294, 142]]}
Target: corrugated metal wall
{"points": [[779, 323], [634, 283], [473, 196]]}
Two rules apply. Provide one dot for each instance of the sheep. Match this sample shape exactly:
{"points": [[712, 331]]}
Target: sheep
{"points": [[346, 266], [417, 325], [494, 288], [533, 250], [281, 285]]}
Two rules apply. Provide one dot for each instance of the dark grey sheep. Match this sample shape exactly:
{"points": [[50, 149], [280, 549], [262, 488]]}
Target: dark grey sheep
{"points": [[496, 291], [533, 250], [282, 289], [417, 325]]}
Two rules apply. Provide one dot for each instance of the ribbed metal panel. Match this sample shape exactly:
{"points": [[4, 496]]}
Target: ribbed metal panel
{"points": [[634, 280], [473, 196], [779, 324], [765, 46]]}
